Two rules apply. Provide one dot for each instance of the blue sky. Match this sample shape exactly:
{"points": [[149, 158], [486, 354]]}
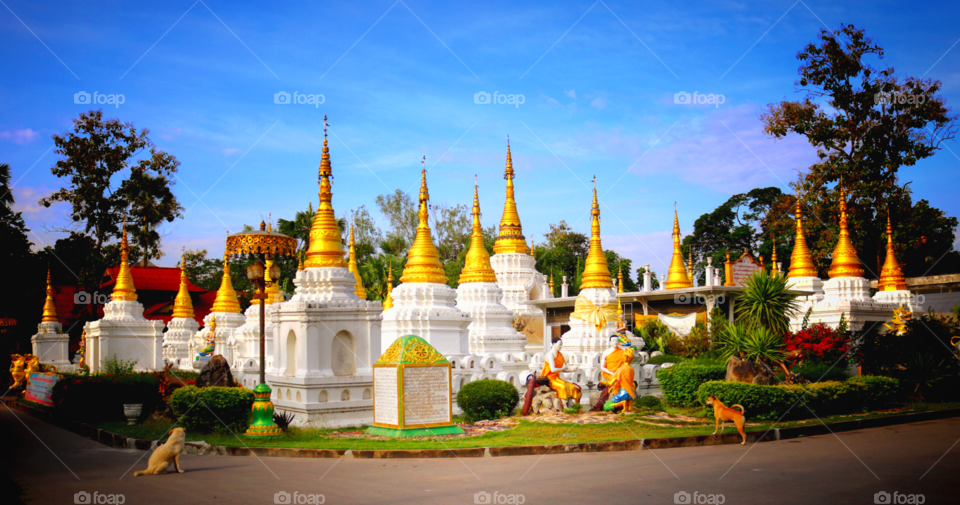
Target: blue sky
{"points": [[399, 80]]}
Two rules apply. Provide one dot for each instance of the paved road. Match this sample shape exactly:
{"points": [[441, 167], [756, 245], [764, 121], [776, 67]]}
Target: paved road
{"points": [[53, 464]]}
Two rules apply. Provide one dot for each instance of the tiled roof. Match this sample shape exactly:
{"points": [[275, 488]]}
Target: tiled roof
{"points": [[151, 279]]}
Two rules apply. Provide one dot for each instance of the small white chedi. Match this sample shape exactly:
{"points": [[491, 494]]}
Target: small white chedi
{"points": [[246, 360], [226, 311], [182, 326], [123, 333], [50, 343]]}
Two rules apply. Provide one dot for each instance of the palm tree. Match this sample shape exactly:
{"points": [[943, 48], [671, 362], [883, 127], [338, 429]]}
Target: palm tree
{"points": [[374, 272], [765, 302], [6, 192]]}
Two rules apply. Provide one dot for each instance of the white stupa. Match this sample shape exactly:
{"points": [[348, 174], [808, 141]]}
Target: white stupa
{"points": [[226, 310], [182, 327], [50, 343]]}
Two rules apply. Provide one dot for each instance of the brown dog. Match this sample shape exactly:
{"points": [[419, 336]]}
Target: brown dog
{"points": [[165, 454], [723, 413]]}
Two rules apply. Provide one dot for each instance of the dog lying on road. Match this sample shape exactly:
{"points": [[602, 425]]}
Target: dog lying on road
{"points": [[165, 454], [723, 413]]}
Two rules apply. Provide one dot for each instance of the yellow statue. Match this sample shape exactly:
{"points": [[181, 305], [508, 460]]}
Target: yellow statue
{"points": [[901, 317], [84, 368], [615, 356], [622, 383], [211, 338], [32, 364], [17, 370], [553, 364]]}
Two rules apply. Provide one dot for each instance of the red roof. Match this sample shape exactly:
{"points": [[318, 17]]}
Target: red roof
{"points": [[151, 279]]}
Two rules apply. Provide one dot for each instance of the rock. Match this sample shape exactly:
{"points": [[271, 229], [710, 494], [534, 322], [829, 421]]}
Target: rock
{"points": [[215, 373], [739, 370]]}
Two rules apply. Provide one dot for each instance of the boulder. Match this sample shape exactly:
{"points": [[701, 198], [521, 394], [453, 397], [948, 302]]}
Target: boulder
{"points": [[215, 373], [739, 370]]}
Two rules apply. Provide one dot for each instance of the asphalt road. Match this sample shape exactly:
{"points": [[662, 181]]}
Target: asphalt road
{"points": [[52, 465]]}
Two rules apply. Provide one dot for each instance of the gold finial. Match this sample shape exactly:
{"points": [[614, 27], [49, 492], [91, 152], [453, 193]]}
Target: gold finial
{"points": [[728, 272], [801, 261], [388, 301], [226, 300], [182, 304], [510, 239], [273, 285], [477, 262], [677, 273], [596, 273], [124, 288], [552, 292], [423, 260], [352, 266], [300, 255], [49, 306], [845, 261], [325, 248], [891, 277], [619, 290]]}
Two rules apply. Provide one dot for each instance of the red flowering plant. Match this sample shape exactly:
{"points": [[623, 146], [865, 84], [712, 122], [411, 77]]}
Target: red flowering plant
{"points": [[817, 343]]}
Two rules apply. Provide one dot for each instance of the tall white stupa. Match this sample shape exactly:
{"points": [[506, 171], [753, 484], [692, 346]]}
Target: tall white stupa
{"points": [[182, 327]]}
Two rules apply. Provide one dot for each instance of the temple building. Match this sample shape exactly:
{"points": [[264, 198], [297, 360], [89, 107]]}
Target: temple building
{"points": [[123, 333], [515, 266], [325, 338]]}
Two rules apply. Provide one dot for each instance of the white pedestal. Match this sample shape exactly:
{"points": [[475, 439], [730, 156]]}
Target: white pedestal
{"points": [[427, 310], [125, 334], [52, 346], [491, 326], [176, 341]]}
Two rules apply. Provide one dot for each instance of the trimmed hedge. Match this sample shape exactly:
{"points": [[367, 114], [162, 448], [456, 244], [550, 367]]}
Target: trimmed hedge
{"points": [[665, 358], [648, 402], [101, 397], [679, 383], [209, 409], [487, 399], [770, 403]]}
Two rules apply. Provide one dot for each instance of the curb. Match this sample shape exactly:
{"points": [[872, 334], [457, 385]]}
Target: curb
{"points": [[111, 439]]}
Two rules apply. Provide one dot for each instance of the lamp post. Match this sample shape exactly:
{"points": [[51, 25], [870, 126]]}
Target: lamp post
{"points": [[262, 244]]}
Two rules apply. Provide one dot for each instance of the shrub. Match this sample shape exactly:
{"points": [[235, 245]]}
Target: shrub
{"points": [[820, 372], [680, 383], [819, 343], [649, 402], [881, 391], [101, 397], [209, 409], [664, 358], [487, 399], [114, 366], [759, 402]]}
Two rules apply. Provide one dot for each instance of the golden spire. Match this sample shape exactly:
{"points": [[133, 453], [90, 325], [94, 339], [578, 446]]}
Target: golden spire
{"points": [[510, 239], [477, 263], [845, 261], [300, 255], [801, 261], [891, 277], [49, 307], [226, 300], [388, 301], [124, 288], [728, 272], [596, 273], [551, 284], [533, 249], [273, 288], [423, 260], [326, 248], [182, 304], [619, 290], [677, 273], [352, 266]]}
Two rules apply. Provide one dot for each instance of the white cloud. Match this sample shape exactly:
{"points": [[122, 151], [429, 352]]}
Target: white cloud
{"points": [[23, 136], [231, 151], [598, 102], [572, 93]]}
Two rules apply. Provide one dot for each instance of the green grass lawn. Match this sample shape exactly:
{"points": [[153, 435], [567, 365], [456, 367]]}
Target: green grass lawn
{"points": [[525, 433]]}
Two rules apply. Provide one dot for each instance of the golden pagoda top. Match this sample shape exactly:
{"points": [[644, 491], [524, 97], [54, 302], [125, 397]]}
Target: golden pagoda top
{"points": [[182, 304], [801, 261], [226, 300], [49, 307], [273, 285], [596, 273], [677, 273], [551, 283], [423, 260], [845, 263], [388, 301], [326, 248], [124, 288], [619, 290], [891, 277], [510, 239], [352, 266], [477, 263]]}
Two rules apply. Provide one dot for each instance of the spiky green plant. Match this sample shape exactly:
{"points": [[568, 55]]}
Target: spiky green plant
{"points": [[756, 343], [765, 302]]}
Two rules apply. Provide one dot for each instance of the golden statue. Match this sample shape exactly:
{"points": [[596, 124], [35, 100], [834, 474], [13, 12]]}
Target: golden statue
{"points": [[553, 364], [17, 373], [82, 366], [898, 325], [622, 383]]}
